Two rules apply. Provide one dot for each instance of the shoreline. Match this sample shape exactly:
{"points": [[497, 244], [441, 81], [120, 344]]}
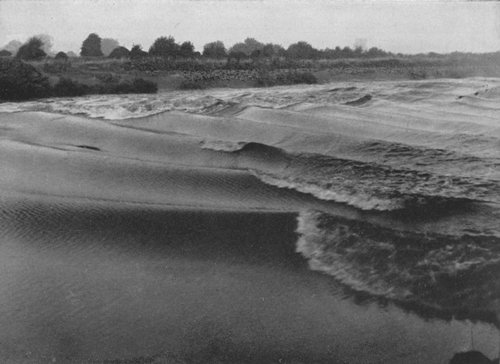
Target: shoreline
{"points": [[79, 77]]}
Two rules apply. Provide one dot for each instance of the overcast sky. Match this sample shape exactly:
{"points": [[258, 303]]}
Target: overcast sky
{"points": [[398, 26]]}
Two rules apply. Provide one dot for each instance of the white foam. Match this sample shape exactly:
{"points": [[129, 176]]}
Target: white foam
{"points": [[222, 145], [336, 193]]}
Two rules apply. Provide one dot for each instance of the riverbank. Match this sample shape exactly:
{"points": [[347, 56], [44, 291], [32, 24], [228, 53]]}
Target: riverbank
{"points": [[80, 76]]}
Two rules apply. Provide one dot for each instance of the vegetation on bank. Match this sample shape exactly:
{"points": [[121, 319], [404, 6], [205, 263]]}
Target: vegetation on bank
{"points": [[165, 47], [104, 67], [267, 79], [37, 47], [21, 81]]}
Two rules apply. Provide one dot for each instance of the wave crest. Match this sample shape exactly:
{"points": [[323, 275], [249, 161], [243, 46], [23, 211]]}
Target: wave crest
{"points": [[367, 186], [222, 145], [432, 270]]}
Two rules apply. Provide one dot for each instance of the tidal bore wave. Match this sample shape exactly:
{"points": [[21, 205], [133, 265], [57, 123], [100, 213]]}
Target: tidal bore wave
{"points": [[398, 193], [432, 270], [366, 186]]}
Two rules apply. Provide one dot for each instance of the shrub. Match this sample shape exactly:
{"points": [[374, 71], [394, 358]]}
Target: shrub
{"points": [[61, 56], [114, 88], [68, 87], [266, 79], [107, 77], [191, 85], [31, 50], [119, 52], [417, 74], [55, 67], [20, 81], [304, 77], [144, 86], [138, 85]]}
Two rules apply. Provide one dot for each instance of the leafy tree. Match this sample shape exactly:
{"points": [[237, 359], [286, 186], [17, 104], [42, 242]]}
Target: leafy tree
{"points": [[273, 50], [108, 45], [268, 50], [72, 54], [61, 56], [186, 50], [302, 50], [164, 47], [376, 52], [358, 51], [119, 52], [248, 46], [237, 55], [279, 51], [137, 52], [256, 53], [327, 53], [5, 53], [214, 50], [91, 47], [333, 53], [31, 50], [347, 52]]}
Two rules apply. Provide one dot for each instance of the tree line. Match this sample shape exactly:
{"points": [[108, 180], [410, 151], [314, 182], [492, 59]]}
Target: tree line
{"points": [[167, 47]]}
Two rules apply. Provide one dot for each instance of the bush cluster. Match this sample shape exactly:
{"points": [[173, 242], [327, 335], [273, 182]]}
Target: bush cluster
{"points": [[68, 87], [191, 85], [153, 64], [266, 78], [21, 81]]}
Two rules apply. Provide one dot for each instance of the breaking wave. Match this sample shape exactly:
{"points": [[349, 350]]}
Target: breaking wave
{"points": [[222, 145], [432, 270], [406, 174], [367, 186]]}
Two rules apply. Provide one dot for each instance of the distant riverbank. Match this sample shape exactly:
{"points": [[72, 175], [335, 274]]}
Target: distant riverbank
{"points": [[83, 76]]}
